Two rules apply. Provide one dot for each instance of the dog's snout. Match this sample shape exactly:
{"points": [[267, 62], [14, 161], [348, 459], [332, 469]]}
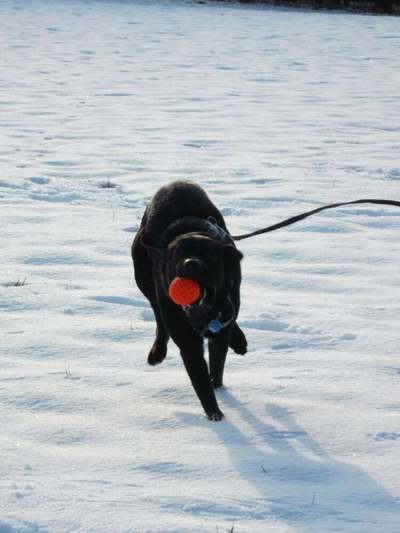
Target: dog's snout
{"points": [[192, 267]]}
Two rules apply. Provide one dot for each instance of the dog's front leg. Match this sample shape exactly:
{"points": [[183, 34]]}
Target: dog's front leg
{"points": [[238, 341], [191, 348], [196, 367], [217, 349]]}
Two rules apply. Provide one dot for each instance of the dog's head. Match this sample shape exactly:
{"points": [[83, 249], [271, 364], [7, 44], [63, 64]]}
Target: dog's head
{"points": [[203, 251], [209, 261]]}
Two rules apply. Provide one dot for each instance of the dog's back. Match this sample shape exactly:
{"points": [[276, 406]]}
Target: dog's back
{"points": [[175, 201]]}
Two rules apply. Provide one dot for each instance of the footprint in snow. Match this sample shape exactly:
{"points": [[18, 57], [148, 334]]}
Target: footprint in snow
{"points": [[164, 468], [296, 336], [39, 180], [121, 300], [394, 174], [387, 435]]}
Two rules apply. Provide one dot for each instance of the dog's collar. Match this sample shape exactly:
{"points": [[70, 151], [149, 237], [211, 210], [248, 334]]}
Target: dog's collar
{"points": [[192, 225], [217, 324], [216, 232], [214, 326]]}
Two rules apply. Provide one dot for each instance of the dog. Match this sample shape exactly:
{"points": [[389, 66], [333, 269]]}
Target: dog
{"points": [[183, 234]]}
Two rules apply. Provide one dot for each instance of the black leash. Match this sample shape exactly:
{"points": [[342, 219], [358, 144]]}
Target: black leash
{"points": [[297, 218]]}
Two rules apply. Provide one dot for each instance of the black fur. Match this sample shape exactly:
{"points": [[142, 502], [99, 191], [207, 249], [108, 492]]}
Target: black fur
{"points": [[175, 238]]}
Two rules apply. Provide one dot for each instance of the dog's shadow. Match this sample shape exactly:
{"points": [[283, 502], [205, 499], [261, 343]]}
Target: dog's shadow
{"points": [[296, 481]]}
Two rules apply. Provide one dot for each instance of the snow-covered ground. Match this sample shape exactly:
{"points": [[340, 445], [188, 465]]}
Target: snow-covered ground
{"points": [[273, 113]]}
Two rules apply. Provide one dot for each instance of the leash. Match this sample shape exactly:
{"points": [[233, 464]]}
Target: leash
{"points": [[302, 216]]}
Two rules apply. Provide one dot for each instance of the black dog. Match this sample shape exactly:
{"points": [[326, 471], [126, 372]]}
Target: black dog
{"points": [[182, 234]]}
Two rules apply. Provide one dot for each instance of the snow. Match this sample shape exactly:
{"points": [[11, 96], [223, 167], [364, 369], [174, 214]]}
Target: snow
{"points": [[273, 112]]}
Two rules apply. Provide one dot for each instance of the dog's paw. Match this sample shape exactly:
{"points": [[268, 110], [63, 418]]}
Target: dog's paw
{"points": [[216, 416], [157, 354], [238, 341]]}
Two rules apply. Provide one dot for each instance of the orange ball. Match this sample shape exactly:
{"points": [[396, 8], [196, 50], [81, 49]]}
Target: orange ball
{"points": [[184, 291]]}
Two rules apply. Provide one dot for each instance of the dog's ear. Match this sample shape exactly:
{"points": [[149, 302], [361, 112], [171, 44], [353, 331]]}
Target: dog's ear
{"points": [[232, 262], [232, 254], [148, 241]]}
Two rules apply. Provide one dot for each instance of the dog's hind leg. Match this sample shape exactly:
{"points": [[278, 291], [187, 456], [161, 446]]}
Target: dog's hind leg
{"points": [[158, 351], [145, 282], [238, 341]]}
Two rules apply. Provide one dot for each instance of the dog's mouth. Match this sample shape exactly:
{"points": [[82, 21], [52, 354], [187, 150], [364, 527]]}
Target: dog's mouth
{"points": [[203, 304]]}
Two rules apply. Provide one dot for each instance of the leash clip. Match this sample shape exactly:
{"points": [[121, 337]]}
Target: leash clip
{"points": [[214, 326]]}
